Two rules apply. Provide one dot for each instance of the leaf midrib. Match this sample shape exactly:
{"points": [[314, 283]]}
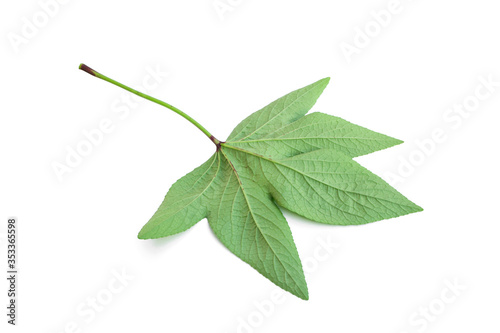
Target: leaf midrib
{"points": [[254, 218], [205, 189], [304, 174], [306, 138], [279, 113]]}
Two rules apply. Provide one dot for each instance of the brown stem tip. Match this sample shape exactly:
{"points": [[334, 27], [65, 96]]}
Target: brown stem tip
{"points": [[87, 69]]}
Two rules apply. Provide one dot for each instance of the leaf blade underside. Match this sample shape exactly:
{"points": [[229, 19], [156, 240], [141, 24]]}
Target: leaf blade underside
{"points": [[182, 207], [279, 113], [328, 187], [318, 131], [251, 226], [279, 156]]}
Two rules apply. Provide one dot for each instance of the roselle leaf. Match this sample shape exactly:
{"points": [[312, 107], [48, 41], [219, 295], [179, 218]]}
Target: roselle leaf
{"points": [[278, 156]]}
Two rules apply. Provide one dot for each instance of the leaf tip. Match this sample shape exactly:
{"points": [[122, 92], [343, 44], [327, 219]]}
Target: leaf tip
{"points": [[302, 291], [325, 81], [414, 208], [391, 142], [143, 234], [305, 296]]}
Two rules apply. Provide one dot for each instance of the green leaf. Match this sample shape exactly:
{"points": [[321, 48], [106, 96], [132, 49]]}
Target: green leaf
{"points": [[278, 156]]}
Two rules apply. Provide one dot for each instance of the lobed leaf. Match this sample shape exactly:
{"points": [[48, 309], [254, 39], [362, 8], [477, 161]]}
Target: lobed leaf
{"points": [[278, 156]]}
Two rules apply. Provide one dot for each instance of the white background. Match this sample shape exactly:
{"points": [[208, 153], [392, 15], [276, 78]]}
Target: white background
{"points": [[75, 233]]}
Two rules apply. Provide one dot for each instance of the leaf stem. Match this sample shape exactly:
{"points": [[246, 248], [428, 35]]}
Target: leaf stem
{"points": [[92, 72]]}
